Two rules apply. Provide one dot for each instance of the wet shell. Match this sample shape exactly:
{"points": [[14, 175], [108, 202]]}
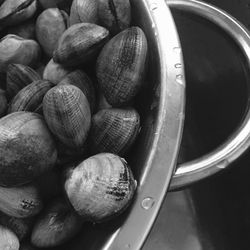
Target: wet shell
{"points": [[27, 148], [30, 97], [19, 76], [114, 130], [67, 113], [15, 11], [55, 226], [115, 15], [15, 49], [8, 240], [54, 72], [100, 187], [81, 80], [50, 25], [121, 66], [3, 103], [21, 202], [21, 227], [25, 30], [79, 44], [84, 11]]}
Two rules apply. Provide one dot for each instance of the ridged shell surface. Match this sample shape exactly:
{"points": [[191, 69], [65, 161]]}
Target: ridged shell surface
{"points": [[100, 187], [27, 148], [56, 225], [8, 240], [15, 11], [30, 97], [18, 76], [67, 113], [121, 66], [81, 80], [79, 44], [50, 25], [114, 130], [15, 49], [84, 11], [21, 202]]}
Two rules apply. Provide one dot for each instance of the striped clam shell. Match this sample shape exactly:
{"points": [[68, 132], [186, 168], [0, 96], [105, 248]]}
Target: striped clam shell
{"points": [[67, 113], [56, 225], [81, 80], [100, 187], [30, 97], [114, 130], [20, 202], [8, 240], [18, 76], [79, 44], [121, 66]]}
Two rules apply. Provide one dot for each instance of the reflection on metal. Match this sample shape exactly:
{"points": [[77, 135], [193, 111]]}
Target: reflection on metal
{"points": [[220, 158]]}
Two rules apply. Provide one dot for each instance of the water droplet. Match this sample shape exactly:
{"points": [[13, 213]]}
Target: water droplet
{"points": [[153, 6], [177, 50], [223, 164], [180, 79], [147, 203], [178, 65]]}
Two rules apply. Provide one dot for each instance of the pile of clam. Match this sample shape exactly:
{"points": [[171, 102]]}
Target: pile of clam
{"points": [[69, 74]]}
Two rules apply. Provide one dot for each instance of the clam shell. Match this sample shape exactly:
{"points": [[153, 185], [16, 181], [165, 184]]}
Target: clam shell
{"points": [[54, 72], [3, 103], [121, 66], [50, 25], [21, 202], [21, 227], [15, 11], [81, 80], [30, 97], [25, 30], [27, 148], [100, 187], [8, 240], [114, 130], [84, 11], [55, 226], [19, 76], [67, 113], [79, 44], [15, 49], [115, 15]]}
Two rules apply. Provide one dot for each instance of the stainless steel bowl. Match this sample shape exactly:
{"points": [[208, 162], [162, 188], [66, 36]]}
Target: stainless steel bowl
{"points": [[154, 157], [235, 143]]}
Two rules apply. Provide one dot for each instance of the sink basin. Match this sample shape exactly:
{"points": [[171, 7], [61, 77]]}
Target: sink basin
{"points": [[213, 214]]}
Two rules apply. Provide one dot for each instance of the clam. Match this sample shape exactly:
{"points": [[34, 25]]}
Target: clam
{"points": [[25, 30], [30, 97], [114, 130], [15, 49], [3, 103], [15, 11], [50, 25], [54, 72], [21, 202], [8, 240], [100, 187], [115, 15], [79, 44], [55, 226], [121, 66], [19, 76], [84, 11], [67, 113], [27, 148], [81, 80], [21, 227]]}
